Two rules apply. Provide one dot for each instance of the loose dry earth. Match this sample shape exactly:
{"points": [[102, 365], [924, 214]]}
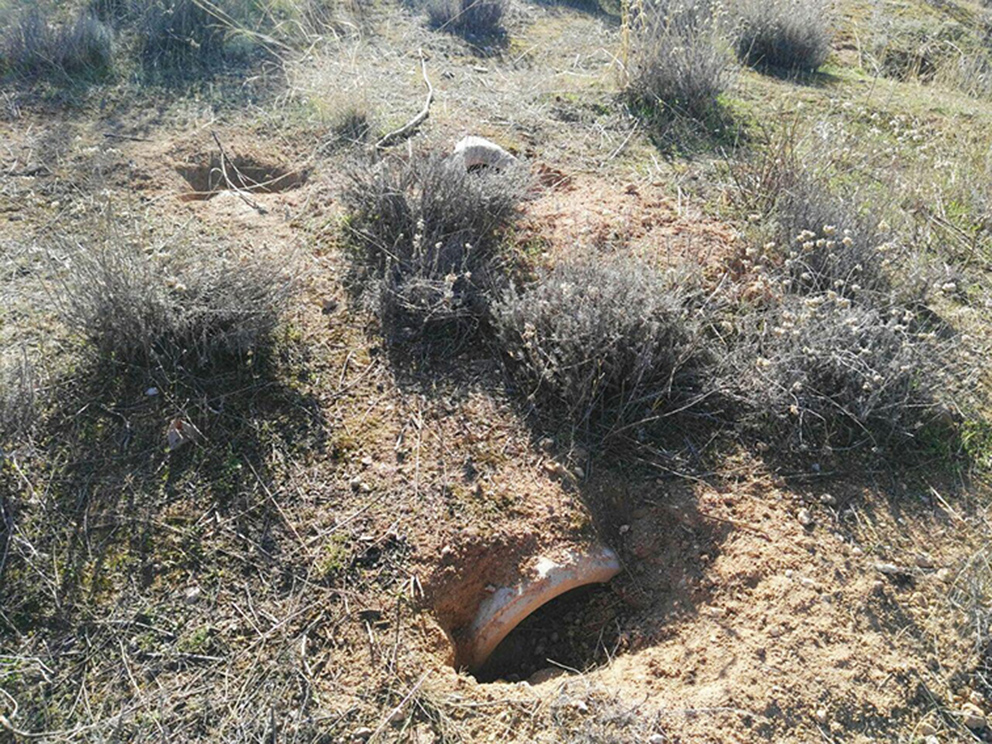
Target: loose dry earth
{"points": [[294, 573]]}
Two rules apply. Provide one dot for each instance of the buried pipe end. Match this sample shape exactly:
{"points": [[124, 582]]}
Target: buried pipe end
{"points": [[506, 607]]}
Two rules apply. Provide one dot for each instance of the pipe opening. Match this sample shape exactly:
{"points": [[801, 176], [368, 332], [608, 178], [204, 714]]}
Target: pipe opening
{"points": [[577, 630]]}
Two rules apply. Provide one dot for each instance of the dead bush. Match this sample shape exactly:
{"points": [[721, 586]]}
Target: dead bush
{"points": [[177, 34], [427, 236], [678, 64], [31, 44], [18, 400], [606, 344], [176, 305], [788, 35], [822, 372], [473, 19], [824, 242]]}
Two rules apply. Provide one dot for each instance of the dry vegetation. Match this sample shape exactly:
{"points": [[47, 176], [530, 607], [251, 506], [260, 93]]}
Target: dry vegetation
{"points": [[282, 398]]}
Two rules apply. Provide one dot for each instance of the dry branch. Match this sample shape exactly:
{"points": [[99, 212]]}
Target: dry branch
{"points": [[408, 128], [230, 184]]}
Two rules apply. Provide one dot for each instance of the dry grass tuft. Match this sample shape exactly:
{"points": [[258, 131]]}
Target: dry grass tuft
{"points": [[172, 305], [18, 400], [606, 344], [31, 44], [678, 62], [788, 35], [428, 236], [473, 19]]}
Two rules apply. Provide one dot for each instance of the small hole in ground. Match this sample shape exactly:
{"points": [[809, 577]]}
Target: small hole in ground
{"points": [[247, 174], [578, 630]]}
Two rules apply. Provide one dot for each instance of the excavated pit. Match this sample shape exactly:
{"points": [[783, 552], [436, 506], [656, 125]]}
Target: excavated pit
{"points": [[494, 612], [576, 631], [207, 179]]}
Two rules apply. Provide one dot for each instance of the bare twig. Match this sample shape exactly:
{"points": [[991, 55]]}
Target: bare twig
{"points": [[230, 184], [407, 129]]}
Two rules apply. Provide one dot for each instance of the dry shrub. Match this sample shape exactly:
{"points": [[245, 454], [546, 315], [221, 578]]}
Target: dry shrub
{"points": [[30, 44], [479, 19], [607, 344], [678, 63], [177, 34], [822, 372], [18, 400], [823, 241], [789, 35], [174, 306], [428, 236]]}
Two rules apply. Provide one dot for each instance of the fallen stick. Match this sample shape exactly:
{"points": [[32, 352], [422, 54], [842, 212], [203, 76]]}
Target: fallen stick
{"points": [[417, 120], [230, 184]]}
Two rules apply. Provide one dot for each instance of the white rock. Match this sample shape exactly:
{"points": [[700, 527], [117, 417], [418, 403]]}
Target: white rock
{"points": [[656, 739], [804, 517], [476, 151], [828, 500]]}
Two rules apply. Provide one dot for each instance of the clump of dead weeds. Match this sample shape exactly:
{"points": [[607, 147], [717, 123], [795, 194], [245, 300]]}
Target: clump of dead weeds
{"points": [[172, 305], [428, 237], [608, 345]]}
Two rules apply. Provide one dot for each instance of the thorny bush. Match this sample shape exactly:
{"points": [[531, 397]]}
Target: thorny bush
{"points": [[31, 44], [473, 19]]}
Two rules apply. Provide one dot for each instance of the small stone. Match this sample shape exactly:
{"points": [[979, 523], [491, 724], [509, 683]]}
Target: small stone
{"points": [[945, 575], [367, 462], [804, 517], [355, 483], [547, 444], [580, 705], [363, 733], [151, 392], [193, 594], [889, 569], [789, 573], [931, 740], [624, 529], [972, 716], [857, 551], [656, 739], [807, 581], [976, 698], [924, 561], [579, 473], [828, 500], [490, 588], [821, 715]]}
